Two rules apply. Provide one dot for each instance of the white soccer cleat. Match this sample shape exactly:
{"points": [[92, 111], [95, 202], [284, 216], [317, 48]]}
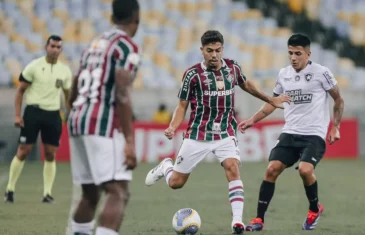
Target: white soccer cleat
{"points": [[156, 173], [237, 227]]}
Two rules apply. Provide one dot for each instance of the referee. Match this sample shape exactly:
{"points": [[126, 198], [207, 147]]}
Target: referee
{"points": [[42, 82]]}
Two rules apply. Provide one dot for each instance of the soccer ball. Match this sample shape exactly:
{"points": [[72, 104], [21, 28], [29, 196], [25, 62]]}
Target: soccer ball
{"points": [[186, 221]]}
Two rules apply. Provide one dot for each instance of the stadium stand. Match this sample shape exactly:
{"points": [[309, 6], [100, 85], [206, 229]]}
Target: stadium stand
{"points": [[171, 29]]}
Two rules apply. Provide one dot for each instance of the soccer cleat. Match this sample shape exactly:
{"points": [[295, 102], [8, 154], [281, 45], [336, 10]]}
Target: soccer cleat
{"points": [[237, 227], [311, 221], [48, 199], [156, 173], [9, 197], [256, 224]]}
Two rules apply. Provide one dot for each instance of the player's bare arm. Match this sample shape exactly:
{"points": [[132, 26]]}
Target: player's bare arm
{"points": [[337, 114], [18, 103], [177, 118], [125, 114], [251, 88]]}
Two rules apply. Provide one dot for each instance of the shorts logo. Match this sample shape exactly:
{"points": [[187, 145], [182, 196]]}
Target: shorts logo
{"points": [[58, 83], [23, 139], [313, 159], [179, 159], [308, 76]]}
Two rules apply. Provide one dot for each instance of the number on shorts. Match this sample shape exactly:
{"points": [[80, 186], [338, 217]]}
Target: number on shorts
{"points": [[235, 142], [87, 86]]}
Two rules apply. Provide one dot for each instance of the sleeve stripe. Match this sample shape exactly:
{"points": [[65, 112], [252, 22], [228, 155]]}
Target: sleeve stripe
{"points": [[22, 79], [184, 94], [240, 71]]}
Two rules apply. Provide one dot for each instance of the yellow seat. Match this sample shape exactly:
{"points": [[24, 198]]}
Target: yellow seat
{"points": [[15, 68], [138, 82], [162, 60], [283, 32], [85, 31], [342, 82], [61, 14], [357, 35], [38, 24], [312, 8], [7, 26], [69, 32], [27, 8], [296, 6]]}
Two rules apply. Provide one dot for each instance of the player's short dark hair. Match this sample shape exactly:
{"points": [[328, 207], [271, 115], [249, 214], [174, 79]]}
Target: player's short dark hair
{"points": [[299, 39], [54, 38], [124, 10], [212, 36]]}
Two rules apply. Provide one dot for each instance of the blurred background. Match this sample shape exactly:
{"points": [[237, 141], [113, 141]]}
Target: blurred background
{"points": [[255, 32]]}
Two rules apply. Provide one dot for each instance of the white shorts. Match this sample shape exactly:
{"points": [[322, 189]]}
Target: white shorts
{"points": [[194, 151], [97, 159]]}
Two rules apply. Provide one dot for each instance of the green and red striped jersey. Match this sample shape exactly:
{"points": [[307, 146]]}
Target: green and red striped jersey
{"points": [[211, 97], [93, 112]]}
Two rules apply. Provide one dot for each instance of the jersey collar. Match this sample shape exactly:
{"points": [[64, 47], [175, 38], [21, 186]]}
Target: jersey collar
{"points": [[224, 64]]}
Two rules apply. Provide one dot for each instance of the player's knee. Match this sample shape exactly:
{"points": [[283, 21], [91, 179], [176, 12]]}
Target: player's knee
{"points": [[272, 172], [305, 172], [49, 155], [23, 152]]}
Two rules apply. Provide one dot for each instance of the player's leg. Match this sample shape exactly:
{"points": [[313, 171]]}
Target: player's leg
{"points": [[313, 151], [176, 175], [117, 196], [283, 155], [82, 220], [51, 130], [227, 153], [28, 136], [106, 158]]}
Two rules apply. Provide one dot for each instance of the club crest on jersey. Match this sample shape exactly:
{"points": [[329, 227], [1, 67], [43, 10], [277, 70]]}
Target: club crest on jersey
{"points": [[205, 73], [308, 76], [58, 83], [220, 82], [297, 78]]}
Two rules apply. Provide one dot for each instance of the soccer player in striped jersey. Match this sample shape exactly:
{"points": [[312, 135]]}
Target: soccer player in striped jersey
{"points": [[101, 104], [209, 87]]}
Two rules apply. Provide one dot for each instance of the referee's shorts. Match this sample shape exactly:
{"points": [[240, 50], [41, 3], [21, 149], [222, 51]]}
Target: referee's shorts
{"points": [[49, 123]]}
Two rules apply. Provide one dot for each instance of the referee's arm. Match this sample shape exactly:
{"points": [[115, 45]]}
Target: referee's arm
{"points": [[73, 94], [23, 85], [66, 89]]}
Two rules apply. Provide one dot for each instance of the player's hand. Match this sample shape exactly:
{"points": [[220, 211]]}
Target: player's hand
{"points": [[334, 135], [244, 125], [169, 133], [130, 157], [278, 101], [19, 122]]}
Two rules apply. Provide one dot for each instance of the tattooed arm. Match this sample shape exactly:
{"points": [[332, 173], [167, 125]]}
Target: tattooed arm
{"points": [[337, 114]]}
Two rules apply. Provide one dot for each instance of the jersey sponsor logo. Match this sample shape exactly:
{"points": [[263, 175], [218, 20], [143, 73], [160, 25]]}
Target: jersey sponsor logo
{"points": [[308, 76], [298, 98], [187, 79], [207, 82], [58, 83], [297, 78], [219, 93], [329, 78]]}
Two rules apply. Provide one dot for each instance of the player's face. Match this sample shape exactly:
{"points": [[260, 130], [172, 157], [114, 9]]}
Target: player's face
{"points": [[298, 56], [54, 49], [212, 54]]}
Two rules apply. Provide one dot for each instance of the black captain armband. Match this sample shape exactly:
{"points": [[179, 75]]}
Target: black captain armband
{"points": [[275, 95], [22, 79]]}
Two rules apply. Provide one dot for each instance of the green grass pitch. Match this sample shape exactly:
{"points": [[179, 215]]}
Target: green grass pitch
{"points": [[150, 210]]}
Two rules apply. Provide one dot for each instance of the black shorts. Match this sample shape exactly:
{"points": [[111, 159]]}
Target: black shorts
{"points": [[49, 123], [291, 148]]}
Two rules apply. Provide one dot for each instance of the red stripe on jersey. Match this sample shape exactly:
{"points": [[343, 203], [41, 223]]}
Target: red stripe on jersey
{"points": [[205, 103], [221, 110], [77, 114], [96, 108], [193, 107], [93, 119], [230, 130]]}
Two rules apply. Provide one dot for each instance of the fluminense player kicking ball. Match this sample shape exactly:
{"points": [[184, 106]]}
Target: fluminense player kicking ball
{"points": [[209, 87]]}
